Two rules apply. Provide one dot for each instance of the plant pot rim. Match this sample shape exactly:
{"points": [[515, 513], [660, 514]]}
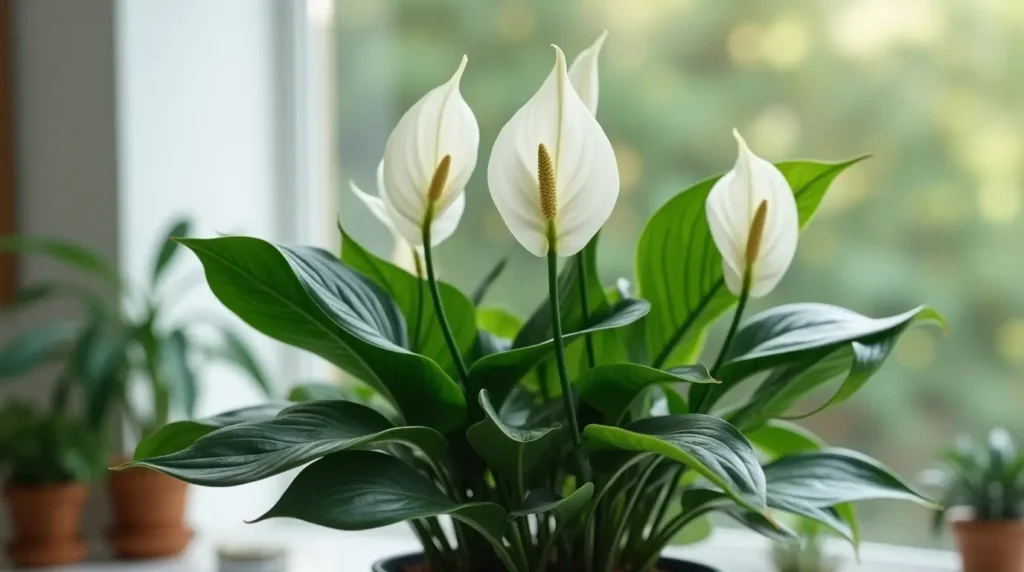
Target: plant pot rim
{"points": [[970, 523], [391, 563]]}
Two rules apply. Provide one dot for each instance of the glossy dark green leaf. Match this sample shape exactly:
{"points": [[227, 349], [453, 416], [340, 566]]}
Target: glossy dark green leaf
{"points": [[680, 271], [796, 333], [524, 409], [307, 298], [179, 435], [251, 451], [413, 298], [168, 248], [178, 371], [707, 445], [498, 373], [612, 388], [32, 348], [511, 453], [359, 490], [235, 350], [485, 285], [69, 253], [833, 476], [565, 510]]}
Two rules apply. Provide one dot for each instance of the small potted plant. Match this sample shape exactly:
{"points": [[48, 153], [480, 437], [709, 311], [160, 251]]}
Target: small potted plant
{"points": [[125, 336], [805, 553], [983, 488], [47, 458], [583, 437]]}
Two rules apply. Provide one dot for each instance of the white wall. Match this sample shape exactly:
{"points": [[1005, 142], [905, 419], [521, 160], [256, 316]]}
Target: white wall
{"points": [[201, 133]]}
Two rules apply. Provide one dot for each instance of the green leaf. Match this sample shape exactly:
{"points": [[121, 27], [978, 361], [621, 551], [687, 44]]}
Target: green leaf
{"points": [[680, 271], [565, 510], [498, 373], [780, 438], [101, 366], [251, 451], [179, 435], [485, 285], [168, 248], [413, 298], [307, 298], [178, 371], [510, 453], [820, 485], [235, 350], [612, 388], [67, 252], [675, 402], [707, 445], [498, 321], [32, 348], [496, 328], [833, 476], [795, 333], [359, 490], [326, 391]]}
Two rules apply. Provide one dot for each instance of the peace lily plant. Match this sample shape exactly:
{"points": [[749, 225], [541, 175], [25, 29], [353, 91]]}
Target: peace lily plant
{"points": [[585, 437]]}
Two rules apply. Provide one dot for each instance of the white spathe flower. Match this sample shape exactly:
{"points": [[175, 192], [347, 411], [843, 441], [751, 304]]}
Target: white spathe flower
{"points": [[753, 218], [376, 202], [583, 73], [403, 254], [439, 125], [572, 192]]}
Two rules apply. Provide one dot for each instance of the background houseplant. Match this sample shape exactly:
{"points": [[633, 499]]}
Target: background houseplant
{"points": [[125, 341], [562, 441], [983, 486], [806, 553], [47, 459]]}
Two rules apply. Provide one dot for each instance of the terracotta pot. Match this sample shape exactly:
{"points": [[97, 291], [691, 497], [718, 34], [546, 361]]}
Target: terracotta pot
{"points": [[46, 519], [414, 563], [990, 546], [149, 514]]}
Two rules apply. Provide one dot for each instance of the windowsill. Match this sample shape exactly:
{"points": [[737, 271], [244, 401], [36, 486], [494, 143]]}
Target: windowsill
{"points": [[315, 549]]}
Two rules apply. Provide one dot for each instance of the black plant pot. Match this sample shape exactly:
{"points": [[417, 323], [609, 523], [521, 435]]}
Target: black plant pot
{"points": [[399, 564]]}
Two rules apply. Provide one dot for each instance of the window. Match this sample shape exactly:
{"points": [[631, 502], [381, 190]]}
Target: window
{"points": [[931, 88]]}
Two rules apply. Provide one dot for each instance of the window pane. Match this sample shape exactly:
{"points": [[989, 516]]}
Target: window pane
{"points": [[932, 89]]}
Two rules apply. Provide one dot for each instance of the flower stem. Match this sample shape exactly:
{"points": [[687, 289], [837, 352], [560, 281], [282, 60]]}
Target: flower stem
{"points": [[420, 296], [703, 405], [736, 317], [581, 279], [435, 293], [556, 328]]}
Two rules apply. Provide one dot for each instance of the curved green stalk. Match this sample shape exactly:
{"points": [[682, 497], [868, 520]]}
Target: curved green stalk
{"points": [[556, 328], [638, 491], [420, 295], [664, 536], [435, 293], [581, 279], [703, 405]]}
